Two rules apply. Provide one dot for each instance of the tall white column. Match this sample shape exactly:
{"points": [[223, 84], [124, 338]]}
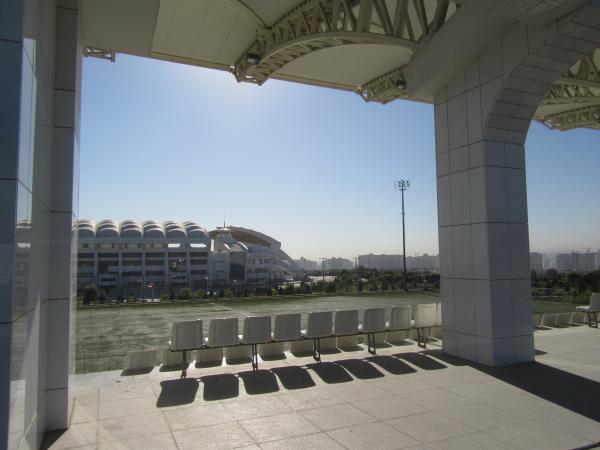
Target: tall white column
{"points": [[481, 118], [60, 343], [38, 198]]}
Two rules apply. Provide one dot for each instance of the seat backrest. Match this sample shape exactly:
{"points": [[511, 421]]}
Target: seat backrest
{"points": [[223, 332], [319, 324], [374, 319], [257, 330], [400, 317], [346, 322], [424, 315], [595, 302], [287, 327], [187, 334]]}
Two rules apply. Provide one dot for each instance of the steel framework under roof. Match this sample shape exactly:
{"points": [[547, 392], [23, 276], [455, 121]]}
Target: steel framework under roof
{"points": [[365, 46]]}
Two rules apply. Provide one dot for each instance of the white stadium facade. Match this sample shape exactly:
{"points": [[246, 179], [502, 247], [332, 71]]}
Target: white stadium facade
{"points": [[148, 258]]}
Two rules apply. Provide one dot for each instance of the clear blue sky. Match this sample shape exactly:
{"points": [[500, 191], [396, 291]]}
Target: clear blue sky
{"points": [[312, 167]]}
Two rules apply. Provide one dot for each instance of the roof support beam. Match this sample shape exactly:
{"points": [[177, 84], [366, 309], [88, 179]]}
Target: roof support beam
{"points": [[316, 24]]}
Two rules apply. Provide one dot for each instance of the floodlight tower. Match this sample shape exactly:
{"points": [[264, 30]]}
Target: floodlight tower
{"points": [[403, 185]]}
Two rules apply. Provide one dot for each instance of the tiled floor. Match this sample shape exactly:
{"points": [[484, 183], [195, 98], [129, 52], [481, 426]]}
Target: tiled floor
{"points": [[398, 399]]}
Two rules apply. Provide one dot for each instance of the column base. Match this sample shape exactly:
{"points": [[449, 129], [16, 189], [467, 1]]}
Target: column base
{"points": [[493, 352]]}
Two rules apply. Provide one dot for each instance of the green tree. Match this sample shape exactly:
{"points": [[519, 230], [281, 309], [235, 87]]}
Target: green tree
{"points": [[90, 294], [184, 294]]}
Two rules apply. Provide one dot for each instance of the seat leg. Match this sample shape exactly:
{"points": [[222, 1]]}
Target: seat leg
{"points": [[421, 338], [592, 317], [184, 368], [371, 343], [317, 349], [254, 356]]}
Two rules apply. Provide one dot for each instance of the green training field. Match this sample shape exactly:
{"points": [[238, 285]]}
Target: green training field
{"points": [[105, 334]]}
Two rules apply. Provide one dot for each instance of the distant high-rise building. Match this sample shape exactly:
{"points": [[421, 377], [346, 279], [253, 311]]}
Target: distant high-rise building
{"points": [[307, 264], [395, 262], [380, 262], [576, 262], [536, 262], [337, 264]]}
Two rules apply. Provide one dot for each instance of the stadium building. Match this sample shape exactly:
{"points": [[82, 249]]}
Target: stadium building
{"points": [[150, 258]]}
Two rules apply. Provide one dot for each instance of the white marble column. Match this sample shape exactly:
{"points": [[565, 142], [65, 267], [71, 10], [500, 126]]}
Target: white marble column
{"points": [[482, 117], [63, 212]]}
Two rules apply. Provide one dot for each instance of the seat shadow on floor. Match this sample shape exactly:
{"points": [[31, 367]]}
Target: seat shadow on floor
{"points": [[421, 360], [301, 354], [172, 368], [450, 360], [360, 368], [391, 364], [293, 377], [131, 372], [236, 361], [562, 388], [330, 373], [259, 381], [403, 343], [202, 365], [356, 348], [330, 351], [540, 352], [177, 392], [274, 357], [219, 387]]}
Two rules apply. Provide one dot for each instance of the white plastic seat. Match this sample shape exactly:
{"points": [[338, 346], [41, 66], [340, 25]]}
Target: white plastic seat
{"points": [[287, 327], [373, 322], [222, 332], [186, 335], [594, 305], [346, 322], [577, 317], [319, 325], [257, 330], [592, 310], [169, 358], [399, 324], [140, 359], [425, 317], [562, 319], [548, 320], [400, 318], [345, 327]]}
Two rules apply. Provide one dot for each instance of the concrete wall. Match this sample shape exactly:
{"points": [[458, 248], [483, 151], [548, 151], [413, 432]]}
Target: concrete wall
{"points": [[39, 110]]}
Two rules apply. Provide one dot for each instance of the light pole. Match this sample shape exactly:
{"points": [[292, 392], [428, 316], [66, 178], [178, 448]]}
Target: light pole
{"points": [[403, 185], [322, 273]]}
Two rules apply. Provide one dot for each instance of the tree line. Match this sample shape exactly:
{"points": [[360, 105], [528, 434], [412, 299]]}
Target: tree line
{"points": [[337, 281], [575, 286]]}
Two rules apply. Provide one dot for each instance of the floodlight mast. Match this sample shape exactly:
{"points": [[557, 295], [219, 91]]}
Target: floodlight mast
{"points": [[403, 185]]}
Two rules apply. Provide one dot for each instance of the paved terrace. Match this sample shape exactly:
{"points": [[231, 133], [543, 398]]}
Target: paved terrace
{"points": [[402, 398]]}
